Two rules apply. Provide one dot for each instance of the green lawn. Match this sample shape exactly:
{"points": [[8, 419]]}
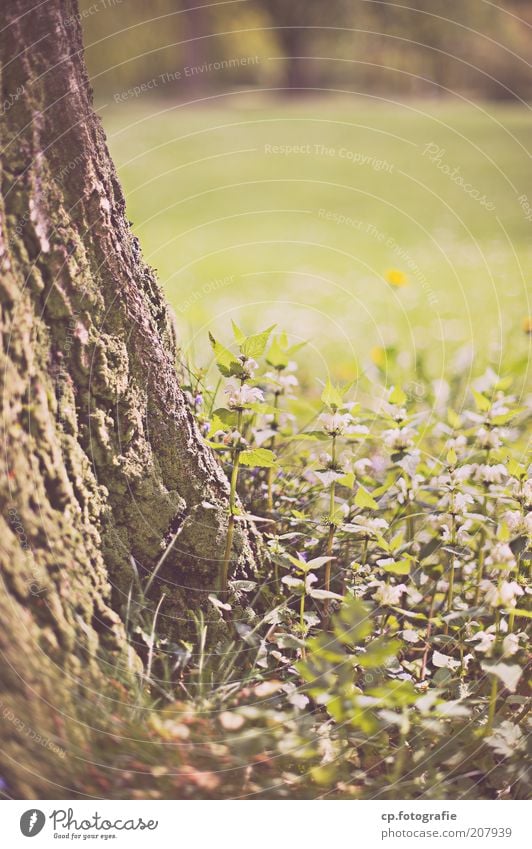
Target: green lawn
{"points": [[239, 227]]}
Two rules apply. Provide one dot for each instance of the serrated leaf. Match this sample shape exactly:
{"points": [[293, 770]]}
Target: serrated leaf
{"points": [[254, 346], [364, 499], [454, 419], [508, 673], [327, 476], [515, 469], [240, 337], [295, 584], [227, 417], [504, 418], [324, 594], [277, 355], [347, 480], [410, 614], [481, 402], [402, 567], [243, 586], [218, 604], [443, 661], [225, 360], [318, 562], [261, 458], [331, 396], [397, 396]]}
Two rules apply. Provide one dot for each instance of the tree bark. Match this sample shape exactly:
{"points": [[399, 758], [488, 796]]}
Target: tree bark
{"points": [[102, 461]]}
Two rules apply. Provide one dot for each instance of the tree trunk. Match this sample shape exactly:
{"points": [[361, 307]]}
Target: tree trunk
{"points": [[102, 460]]}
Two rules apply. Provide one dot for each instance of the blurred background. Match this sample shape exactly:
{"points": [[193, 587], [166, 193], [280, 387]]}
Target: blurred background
{"points": [[356, 171]]}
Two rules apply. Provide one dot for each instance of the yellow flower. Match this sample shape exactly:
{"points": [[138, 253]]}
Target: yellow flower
{"points": [[378, 355], [527, 324], [396, 277]]}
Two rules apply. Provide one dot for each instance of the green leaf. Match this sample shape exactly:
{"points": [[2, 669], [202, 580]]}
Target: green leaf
{"points": [[352, 623], [481, 402], [331, 396], [508, 673], [410, 614], [378, 652], [254, 346], [451, 457], [364, 499], [261, 458], [515, 469], [347, 480], [240, 337], [504, 383], [226, 362], [504, 418], [321, 595], [277, 355], [227, 417], [516, 611], [454, 419], [402, 567], [397, 396]]}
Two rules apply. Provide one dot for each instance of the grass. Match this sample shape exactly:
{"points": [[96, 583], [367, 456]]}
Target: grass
{"points": [[237, 230]]}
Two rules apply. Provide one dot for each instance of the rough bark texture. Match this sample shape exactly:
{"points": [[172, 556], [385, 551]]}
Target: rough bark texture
{"points": [[101, 461]]}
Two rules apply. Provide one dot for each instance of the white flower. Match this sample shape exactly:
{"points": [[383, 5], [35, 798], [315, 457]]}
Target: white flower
{"points": [[335, 424], [487, 381], [488, 438], [361, 467], [504, 595], [414, 595], [282, 382], [385, 561], [510, 645], [518, 524], [403, 494], [388, 593], [461, 500], [366, 526], [484, 641], [287, 380], [462, 473], [457, 443], [239, 396], [490, 474], [410, 463], [249, 366], [514, 520], [456, 502], [399, 438], [500, 553], [527, 492]]}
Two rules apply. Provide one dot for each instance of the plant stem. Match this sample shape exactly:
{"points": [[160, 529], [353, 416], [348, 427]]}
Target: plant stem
{"points": [[492, 705], [271, 471], [451, 573], [330, 540], [224, 575], [480, 567]]}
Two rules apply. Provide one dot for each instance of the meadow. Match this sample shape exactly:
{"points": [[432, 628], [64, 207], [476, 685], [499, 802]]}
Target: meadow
{"points": [[380, 648], [296, 213]]}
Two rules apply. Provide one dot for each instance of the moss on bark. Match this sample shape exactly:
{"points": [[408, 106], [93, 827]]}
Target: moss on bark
{"points": [[102, 461]]}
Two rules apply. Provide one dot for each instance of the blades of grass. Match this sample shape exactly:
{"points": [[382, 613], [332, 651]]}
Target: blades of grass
{"points": [[152, 637]]}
